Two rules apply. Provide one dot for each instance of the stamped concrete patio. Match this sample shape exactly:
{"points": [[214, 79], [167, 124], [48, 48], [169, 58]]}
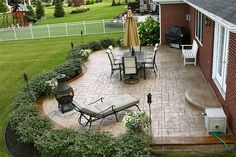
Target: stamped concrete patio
{"points": [[171, 116]]}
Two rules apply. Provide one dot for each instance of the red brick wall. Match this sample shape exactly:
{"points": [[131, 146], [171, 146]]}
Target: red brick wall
{"points": [[230, 105], [205, 52], [191, 24], [172, 15]]}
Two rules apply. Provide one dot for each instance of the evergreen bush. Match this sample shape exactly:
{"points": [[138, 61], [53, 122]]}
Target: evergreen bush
{"points": [[59, 10], [31, 11], [107, 42], [94, 45], [39, 9]]}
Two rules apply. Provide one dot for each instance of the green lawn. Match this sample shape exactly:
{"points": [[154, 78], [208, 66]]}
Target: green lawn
{"points": [[107, 12]]}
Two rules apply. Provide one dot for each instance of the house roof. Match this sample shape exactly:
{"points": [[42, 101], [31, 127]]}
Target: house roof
{"points": [[222, 11], [225, 9]]}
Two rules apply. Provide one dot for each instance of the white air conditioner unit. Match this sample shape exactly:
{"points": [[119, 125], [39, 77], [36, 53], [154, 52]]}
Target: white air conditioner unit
{"points": [[215, 120]]}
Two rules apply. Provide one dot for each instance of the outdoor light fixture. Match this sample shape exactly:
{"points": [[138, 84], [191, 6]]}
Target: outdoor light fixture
{"points": [[207, 21], [82, 36], [72, 45], [149, 101], [64, 94]]}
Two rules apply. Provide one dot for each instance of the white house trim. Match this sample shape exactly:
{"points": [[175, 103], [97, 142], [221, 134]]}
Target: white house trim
{"points": [[227, 24]]}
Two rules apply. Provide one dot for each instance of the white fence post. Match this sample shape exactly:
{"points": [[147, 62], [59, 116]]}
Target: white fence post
{"points": [[85, 28], [104, 29], [66, 29], [31, 31], [14, 30], [49, 35]]}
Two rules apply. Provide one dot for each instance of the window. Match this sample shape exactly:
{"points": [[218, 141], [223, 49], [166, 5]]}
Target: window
{"points": [[198, 25], [220, 57]]}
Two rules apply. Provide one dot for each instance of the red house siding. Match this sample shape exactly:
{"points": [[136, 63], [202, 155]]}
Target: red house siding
{"points": [[205, 52], [171, 15], [230, 101]]}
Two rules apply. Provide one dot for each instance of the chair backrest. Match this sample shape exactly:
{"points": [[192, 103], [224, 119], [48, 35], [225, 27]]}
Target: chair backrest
{"points": [[111, 57], [194, 47], [110, 47], [129, 65]]}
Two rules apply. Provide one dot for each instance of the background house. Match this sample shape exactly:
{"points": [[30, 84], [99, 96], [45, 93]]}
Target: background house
{"points": [[212, 23]]}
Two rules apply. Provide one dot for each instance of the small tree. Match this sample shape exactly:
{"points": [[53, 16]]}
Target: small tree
{"points": [[39, 9], [3, 7], [59, 10], [3, 10], [31, 11]]}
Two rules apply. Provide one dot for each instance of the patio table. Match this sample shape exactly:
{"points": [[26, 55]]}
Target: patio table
{"points": [[141, 60]]}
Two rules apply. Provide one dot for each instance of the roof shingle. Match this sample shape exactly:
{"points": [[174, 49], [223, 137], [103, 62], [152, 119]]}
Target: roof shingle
{"points": [[225, 9]]}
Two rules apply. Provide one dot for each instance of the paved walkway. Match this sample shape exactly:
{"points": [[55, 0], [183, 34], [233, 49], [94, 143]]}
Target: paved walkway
{"points": [[171, 115]]}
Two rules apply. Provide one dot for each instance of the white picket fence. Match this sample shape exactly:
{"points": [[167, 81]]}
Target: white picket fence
{"points": [[61, 29]]}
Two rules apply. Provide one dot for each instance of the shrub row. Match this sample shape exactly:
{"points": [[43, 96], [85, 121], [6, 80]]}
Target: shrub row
{"points": [[33, 129], [79, 10]]}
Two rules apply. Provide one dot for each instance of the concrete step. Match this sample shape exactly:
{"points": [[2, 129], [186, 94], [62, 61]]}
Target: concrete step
{"points": [[201, 98]]}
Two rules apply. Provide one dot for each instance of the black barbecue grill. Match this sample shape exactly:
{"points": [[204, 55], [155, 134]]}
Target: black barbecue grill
{"points": [[175, 36]]}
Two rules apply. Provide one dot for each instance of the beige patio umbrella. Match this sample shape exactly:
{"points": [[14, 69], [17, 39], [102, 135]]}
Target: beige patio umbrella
{"points": [[131, 37]]}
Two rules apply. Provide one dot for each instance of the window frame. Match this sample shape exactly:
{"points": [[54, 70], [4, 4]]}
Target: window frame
{"points": [[199, 26]]}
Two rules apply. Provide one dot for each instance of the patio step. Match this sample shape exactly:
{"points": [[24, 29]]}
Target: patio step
{"points": [[193, 144], [201, 98]]}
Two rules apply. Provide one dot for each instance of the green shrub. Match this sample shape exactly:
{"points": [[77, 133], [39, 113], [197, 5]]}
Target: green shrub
{"points": [[70, 3], [31, 128], [92, 144], [38, 84], [132, 144], [31, 11], [70, 68], [23, 112], [39, 9], [94, 46], [107, 42], [59, 10], [87, 2], [149, 31], [26, 97], [91, 1], [79, 10], [120, 42], [56, 142]]}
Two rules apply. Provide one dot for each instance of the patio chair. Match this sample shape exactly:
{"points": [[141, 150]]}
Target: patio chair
{"points": [[100, 108], [115, 56], [190, 55], [151, 63], [151, 55], [130, 69], [115, 66]]}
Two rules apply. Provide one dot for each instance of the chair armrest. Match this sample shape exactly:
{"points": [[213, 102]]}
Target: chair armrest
{"points": [[110, 107], [100, 99], [186, 45], [75, 104]]}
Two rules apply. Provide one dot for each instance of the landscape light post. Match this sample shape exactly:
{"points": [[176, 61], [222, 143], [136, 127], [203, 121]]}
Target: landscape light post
{"points": [[82, 37], [149, 101]]}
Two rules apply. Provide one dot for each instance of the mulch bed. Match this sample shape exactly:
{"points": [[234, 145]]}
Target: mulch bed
{"points": [[17, 149]]}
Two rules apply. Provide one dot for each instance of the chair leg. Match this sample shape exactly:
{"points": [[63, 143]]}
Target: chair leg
{"points": [[111, 73], [116, 117]]}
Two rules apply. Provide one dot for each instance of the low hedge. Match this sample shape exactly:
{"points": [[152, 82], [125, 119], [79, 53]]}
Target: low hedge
{"points": [[33, 129]]}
